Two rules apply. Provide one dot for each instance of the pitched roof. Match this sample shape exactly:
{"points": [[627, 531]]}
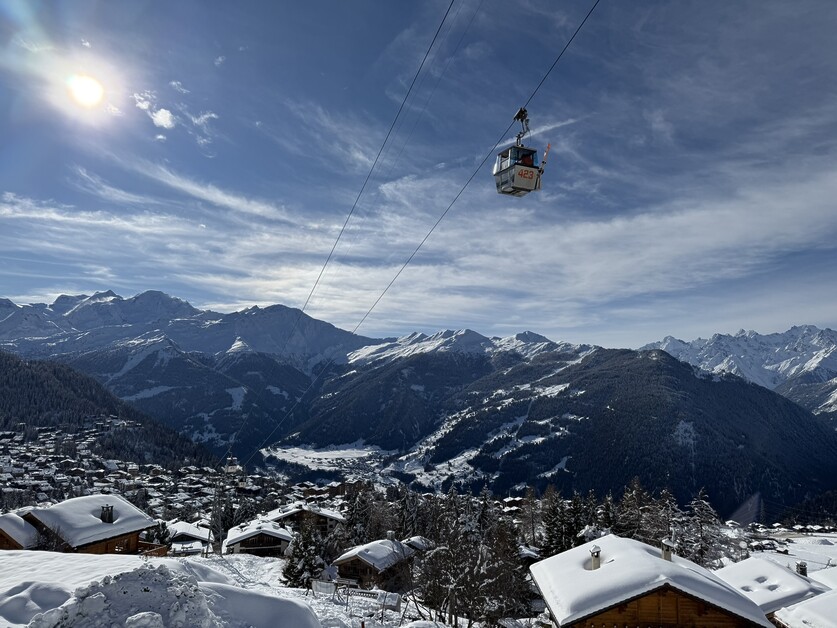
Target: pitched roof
{"points": [[183, 528], [20, 531], [629, 568], [769, 584], [817, 612], [79, 521], [254, 528], [380, 555], [277, 514]]}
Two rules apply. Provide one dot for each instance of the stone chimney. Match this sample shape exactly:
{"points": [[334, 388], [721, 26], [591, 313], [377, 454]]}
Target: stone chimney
{"points": [[802, 568], [595, 560], [390, 535], [107, 514], [667, 547]]}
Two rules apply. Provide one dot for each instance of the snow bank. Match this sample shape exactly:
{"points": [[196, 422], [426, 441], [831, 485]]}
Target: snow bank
{"points": [[51, 589], [156, 597]]}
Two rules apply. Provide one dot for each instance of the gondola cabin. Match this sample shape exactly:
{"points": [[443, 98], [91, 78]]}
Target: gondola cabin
{"points": [[516, 171]]}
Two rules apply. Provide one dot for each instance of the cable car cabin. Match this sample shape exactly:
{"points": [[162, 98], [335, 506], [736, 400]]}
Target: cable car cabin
{"points": [[516, 171]]}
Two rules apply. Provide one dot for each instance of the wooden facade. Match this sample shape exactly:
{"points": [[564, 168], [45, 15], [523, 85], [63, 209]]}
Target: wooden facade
{"points": [[356, 569], [394, 578], [8, 543], [665, 607], [127, 543], [259, 545], [123, 544]]}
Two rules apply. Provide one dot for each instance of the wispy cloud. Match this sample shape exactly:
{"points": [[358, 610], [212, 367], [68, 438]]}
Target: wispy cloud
{"points": [[339, 139], [209, 192], [178, 87], [95, 185], [219, 60]]}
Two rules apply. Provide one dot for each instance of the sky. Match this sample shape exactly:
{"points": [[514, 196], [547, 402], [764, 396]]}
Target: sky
{"points": [[213, 150]]}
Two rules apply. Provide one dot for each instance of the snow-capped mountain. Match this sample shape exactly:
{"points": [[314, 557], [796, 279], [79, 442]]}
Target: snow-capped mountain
{"points": [[527, 344], [454, 405], [208, 374], [800, 363], [581, 419]]}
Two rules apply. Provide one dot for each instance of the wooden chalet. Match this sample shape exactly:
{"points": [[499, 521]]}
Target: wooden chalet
{"points": [[621, 582], [93, 524], [293, 515], [16, 533], [260, 537], [383, 563], [188, 539], [815, 612], [770, 585]]}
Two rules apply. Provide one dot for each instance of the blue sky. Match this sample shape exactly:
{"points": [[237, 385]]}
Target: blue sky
{"points": [[691, 186]]}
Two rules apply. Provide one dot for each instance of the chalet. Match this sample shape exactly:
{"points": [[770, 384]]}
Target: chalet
{"points": [[293, 515], [770, 585], [383, 563], [615, 581], [811, 613], [187, 539], [16, 533], [94, 524], [260, 537]]}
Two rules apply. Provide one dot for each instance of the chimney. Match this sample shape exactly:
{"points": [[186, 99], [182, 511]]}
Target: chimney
{"points": [[390, 535], [668, 547], [595, 561], [802, 568], [107, 514]]}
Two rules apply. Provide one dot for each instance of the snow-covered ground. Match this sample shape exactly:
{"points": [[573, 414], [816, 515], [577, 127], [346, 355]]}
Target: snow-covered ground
{"points": [[48, 589]]}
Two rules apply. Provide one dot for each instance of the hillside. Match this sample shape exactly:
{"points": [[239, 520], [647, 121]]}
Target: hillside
{"points": [[45, 394], [800, 363], [454, 406]]}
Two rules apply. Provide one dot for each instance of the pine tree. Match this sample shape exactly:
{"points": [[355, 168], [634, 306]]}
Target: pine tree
{"points": [[556, 523], [663, 519], [503, 590], [304, 556], [702, 543], [635, 502]]}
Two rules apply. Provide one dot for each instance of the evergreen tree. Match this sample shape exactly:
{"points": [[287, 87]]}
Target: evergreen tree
{"points": [[305, 561], [557, 535], [663, 519], [702, 542], [631, 513], [503, 589]]}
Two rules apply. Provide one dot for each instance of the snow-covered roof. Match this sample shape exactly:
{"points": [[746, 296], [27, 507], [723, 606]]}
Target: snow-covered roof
{"points": [[254, 528], [187, 547], [817, 612], [79, 520], [190, 530], [827, 576], [380, 555], [277, 514], [769, 584], [629, 568], [419, 543], [21, 532]]}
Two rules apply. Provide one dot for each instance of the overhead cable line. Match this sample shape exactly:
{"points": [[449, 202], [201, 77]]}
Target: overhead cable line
{"points": [[375, 163], [436, 224], [354, 205], [474, 173]]}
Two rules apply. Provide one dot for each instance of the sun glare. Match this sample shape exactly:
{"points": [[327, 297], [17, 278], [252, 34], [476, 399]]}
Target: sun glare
{"points": [[85, 90]]}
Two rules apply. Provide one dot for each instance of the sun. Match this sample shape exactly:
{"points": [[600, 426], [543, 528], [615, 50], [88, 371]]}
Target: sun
{"points": [[85, 90]]}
